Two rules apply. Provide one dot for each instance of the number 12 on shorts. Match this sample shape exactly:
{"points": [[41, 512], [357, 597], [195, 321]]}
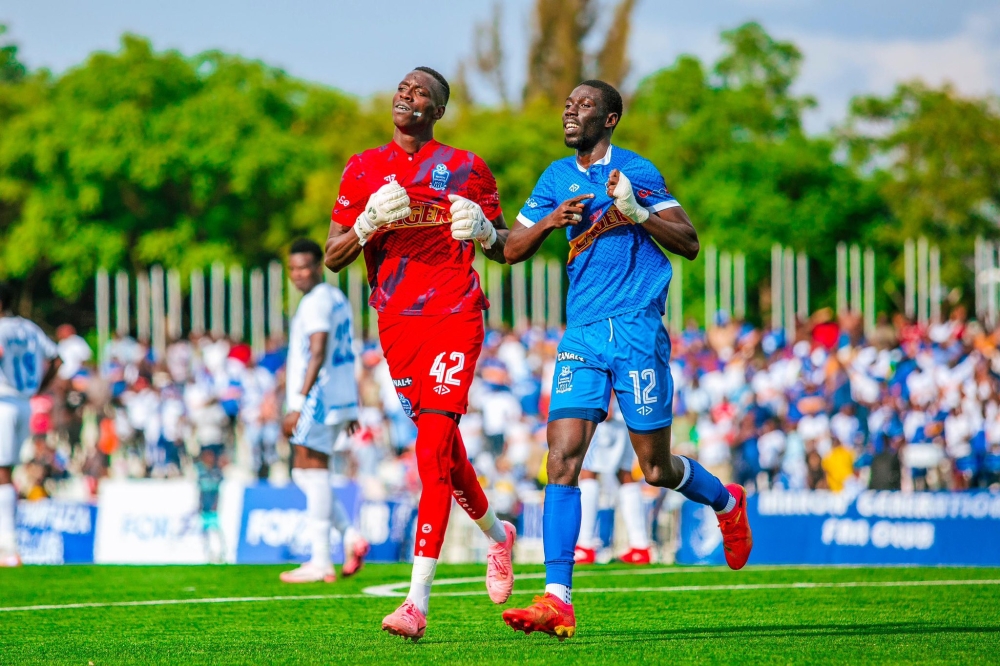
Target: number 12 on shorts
{"points": [[642, 395], [445, 375]]}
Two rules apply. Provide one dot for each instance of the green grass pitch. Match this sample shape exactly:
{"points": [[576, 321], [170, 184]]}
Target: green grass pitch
{"points": [[653, 615]]}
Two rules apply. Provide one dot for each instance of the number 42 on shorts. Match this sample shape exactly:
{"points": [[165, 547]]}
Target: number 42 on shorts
{"points": [[444, 374]]}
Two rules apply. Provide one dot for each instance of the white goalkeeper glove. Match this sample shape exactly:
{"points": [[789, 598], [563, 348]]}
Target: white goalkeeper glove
{"points": [[469, 223], [389, 204], [625, 200]]}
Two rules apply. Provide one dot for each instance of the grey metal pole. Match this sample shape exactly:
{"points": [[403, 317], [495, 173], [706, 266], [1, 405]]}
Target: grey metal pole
{"points": [[677, 298], [740, 282], [495, 295], [174, 316], [726, 282], [922, 281], [910, 279], [257, 312], [519, 296], [935, 278], [354, 280], [103, 302], [554, 275], [841, 278], [236, 302], [978, 282], [789, 305], [991, 284], [802, 286], [123, 322], [711, 269], [142, 306], [776, 277], [275, 300], [218, 300], [157, 287], [198, 301], [855, 279], [869, 299]]}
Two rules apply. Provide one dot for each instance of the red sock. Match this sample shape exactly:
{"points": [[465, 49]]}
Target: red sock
{"points": [[466, 486], [434, 464]]}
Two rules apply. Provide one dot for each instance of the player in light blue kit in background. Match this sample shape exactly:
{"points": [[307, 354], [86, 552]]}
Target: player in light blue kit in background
{"points": [[615, 208], [28, 362]]}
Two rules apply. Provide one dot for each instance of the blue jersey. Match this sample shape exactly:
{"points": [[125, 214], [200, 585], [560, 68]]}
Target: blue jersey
{"points": [[614, 265]]}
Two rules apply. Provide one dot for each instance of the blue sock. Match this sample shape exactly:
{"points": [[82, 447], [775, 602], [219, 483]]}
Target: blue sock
{"points": [[560, 530], [702, 487]]}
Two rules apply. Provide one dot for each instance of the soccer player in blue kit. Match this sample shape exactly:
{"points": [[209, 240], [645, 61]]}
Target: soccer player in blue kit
{"points": [[615, 208]]}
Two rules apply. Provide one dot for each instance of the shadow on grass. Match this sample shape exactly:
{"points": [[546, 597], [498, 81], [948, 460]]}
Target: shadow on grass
{"points": [[795, 631]]}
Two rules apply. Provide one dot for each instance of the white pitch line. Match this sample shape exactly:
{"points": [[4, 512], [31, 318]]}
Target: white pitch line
{"points": [[392, 589], [604, 590]]}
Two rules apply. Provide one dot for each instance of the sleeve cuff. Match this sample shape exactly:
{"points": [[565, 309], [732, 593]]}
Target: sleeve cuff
{"points": [[296, 402], [663, 205], [524, 220]]}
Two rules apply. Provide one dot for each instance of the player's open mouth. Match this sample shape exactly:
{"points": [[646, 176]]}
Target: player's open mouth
{"points": [[402, 108], [570, 127]]}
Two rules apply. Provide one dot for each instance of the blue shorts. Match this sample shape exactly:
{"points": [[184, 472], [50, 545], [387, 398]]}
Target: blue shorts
{"points": [[629, 354]]}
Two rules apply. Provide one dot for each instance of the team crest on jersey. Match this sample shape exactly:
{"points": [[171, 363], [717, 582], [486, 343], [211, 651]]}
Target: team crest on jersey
{"points": [[406, 404], [564, 384], [574, 187], [440, 177]]}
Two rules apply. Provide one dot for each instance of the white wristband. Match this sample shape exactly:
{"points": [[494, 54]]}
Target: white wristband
{"points": [[296, 402], [488, 243]]}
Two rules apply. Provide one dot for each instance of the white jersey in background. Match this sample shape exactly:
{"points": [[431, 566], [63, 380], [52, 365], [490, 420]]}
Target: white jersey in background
{"points": [[334, 397], [25, 352]]}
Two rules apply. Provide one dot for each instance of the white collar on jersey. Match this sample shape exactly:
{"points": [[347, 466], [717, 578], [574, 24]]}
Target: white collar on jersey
{"points": [[604, 161]]}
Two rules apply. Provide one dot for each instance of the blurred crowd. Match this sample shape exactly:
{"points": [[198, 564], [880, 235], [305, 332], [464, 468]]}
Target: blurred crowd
{"points": [[909, 408]]}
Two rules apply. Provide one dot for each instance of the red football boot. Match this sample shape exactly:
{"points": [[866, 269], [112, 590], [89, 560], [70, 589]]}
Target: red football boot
{"points": [[637, 556], [737, 541], [584, 555], [548, 614]]}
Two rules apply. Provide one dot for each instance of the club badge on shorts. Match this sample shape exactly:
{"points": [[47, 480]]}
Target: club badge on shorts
{"points": [[440, 177], [565, 382]]}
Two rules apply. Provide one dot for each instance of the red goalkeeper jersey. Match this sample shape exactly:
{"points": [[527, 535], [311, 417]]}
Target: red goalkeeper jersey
{"points": [[414, 265]]}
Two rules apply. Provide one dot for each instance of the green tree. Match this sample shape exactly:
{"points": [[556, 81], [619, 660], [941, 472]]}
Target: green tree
{"points": [[935, 157], [11, 69], [140, 157], [731, 146]]}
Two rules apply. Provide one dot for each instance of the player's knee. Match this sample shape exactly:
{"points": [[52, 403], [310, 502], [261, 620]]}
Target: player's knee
{"points": [[661, 476], [563, 467]]}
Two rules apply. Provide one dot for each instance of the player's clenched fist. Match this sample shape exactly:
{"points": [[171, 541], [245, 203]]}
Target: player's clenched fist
{"points": [[389, 204], [569, 212], [468, 223], [620, 187]]}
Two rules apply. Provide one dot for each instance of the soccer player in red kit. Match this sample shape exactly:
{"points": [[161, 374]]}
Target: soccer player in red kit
{"points": [[416, 208]]}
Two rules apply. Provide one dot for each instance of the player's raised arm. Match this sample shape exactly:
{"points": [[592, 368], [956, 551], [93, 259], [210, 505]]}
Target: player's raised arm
{"points": [[670, 227], [527, 236]]}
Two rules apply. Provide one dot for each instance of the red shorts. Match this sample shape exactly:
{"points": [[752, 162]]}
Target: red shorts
{"points": [[432, 359]]}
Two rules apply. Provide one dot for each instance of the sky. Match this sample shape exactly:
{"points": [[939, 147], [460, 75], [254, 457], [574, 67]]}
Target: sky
{"points": [[851, 47]]}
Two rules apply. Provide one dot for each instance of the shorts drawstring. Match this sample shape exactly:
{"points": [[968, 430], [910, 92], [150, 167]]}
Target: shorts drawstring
{"points": [[611, 325]]}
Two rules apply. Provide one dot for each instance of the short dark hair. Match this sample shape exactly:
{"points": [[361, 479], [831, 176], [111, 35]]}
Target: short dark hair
{"points": [[307, 246], [610, 98], [6, 296], [439, 78]]}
